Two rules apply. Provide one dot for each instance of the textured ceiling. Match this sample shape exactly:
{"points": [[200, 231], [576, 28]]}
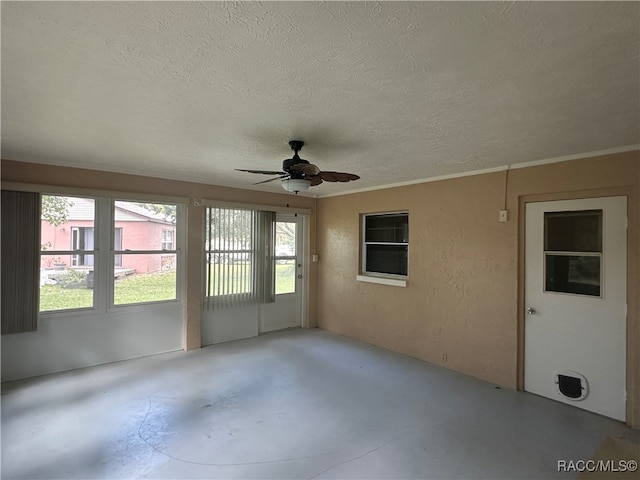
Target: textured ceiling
{"points": [[392, 91]]}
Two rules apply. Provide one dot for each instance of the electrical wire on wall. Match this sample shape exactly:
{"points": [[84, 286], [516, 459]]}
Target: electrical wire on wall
{"points": [[315, 226], [506, 183]]}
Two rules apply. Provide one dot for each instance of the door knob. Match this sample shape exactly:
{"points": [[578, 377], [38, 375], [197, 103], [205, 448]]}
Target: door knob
{"points": [[531, 311]]}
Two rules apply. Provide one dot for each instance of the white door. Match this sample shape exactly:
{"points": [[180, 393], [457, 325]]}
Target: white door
{"points": [[575, 301], [286, 311]]}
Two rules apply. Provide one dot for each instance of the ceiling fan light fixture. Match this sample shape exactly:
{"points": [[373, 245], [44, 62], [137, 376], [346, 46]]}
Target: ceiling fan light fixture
{"points": [[296, 185]]}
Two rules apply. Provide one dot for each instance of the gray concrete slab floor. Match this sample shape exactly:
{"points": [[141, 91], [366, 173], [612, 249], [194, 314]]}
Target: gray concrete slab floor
{"points": [[297, 404]]}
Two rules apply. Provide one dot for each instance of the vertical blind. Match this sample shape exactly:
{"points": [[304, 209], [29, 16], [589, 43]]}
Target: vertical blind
{"points": [[239, 260], [20, 261]]}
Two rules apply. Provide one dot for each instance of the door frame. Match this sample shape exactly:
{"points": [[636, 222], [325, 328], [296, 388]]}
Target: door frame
{"points": [[302, 241], [633, 285]]}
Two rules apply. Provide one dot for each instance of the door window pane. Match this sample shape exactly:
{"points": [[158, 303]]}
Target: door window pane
{"points": [[286, 277], [577, 274], [285, 257], [568, 238], [579, 231], [285, 239]]}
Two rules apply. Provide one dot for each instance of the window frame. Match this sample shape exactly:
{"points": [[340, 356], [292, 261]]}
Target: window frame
{"points": [[226, 253], [122, 253], [548, 252], [282, 259], [372, 276], [71, 253], [104, 253], [262, 271]]}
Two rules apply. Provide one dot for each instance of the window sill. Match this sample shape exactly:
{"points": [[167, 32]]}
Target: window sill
{"points": [[395, 282]]}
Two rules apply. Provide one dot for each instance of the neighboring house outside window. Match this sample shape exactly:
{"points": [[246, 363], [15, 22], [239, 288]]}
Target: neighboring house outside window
{"points": [[135, 227], [142, 230], [140, 243]]}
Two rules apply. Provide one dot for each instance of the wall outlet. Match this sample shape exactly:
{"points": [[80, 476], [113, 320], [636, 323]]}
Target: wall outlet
{"points": [[444, 357], [504, 215], [314, 257]]}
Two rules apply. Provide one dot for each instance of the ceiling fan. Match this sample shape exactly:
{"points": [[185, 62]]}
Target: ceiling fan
{"points": [[298, 175]]}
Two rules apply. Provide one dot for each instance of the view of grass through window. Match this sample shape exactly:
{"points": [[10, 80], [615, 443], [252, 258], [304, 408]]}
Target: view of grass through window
{"points": [[285, 277], [134, 289], [144, 256], [144, 277]]}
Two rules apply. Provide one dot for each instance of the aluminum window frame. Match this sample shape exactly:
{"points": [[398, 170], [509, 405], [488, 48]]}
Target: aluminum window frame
{"points": [[365, 271]]}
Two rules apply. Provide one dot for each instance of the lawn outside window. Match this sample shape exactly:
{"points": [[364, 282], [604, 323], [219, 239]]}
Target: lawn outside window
{"points": [[67, 252], [144, 259], [83, 238]]}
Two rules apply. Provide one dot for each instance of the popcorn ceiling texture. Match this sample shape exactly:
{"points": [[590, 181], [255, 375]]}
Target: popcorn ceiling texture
{"points": [[392, 91]]}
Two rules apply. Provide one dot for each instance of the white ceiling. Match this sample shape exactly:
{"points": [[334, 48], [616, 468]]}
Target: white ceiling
{"points": [[392, 91]]}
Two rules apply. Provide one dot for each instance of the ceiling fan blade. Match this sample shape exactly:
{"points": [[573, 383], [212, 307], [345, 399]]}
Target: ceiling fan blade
{"points": [[338, 176], [348, 177], [315, 180], [308, 169], [327, 176], [262, 172], [271, 179]]}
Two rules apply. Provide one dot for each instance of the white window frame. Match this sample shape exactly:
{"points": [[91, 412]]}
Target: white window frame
{"points": [[95, 307], [104, 252], [366, 275], [179, 227]]}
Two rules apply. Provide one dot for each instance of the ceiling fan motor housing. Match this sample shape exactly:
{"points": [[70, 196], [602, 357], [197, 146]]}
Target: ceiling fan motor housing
{"points": [[290, 162], [296, 146]]}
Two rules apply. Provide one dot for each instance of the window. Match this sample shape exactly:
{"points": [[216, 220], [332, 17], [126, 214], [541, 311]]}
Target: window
{"points": [[145, 264], [386, 244], [238, 254], [573, 252], [66, 252], [133, 239], [167, 239], [285, 257]]}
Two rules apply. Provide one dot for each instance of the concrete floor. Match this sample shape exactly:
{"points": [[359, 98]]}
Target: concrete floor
{"points": [[297, 404]]}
